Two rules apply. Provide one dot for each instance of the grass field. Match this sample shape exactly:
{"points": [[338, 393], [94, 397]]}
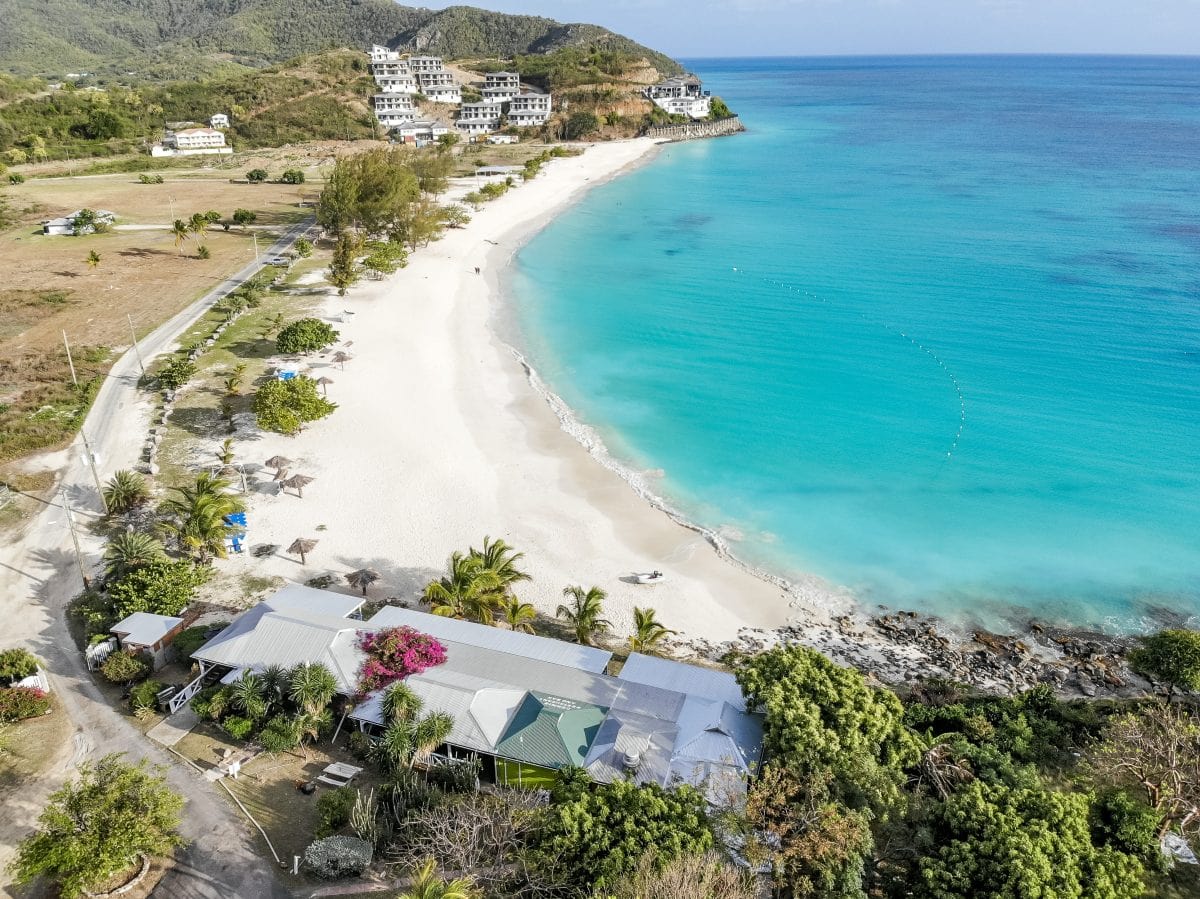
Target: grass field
{"points": [[49, 287], [526, 777]]}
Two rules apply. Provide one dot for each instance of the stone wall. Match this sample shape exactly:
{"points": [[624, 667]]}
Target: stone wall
{"points": [[693, 130]]}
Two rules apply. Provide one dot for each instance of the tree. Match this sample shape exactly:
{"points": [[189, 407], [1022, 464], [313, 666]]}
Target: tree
{"points": [[343, 268], [84, 222], [212, 216], [585, 614], [249, 696], [1156, 751], [501, 560], [256, 176], [129, 551], [292, 176], [385, 258], [648, 631], [158, 587], [303, 247], [197, 516], [823, 718], [519, 616], [124, 491], [601, 835], [1172, 657], [100, 824], [176, 372], [455, 216], [93, 259], [686, 877], [311, 686], [338, 856], [308, 335], [990, 841], [197, 224], [181, 232], [468, 590], [244, 217], [580, 124], [16, 664], [123, 667], [284, 406], [718, 110], [427, 883], [409, 736]]}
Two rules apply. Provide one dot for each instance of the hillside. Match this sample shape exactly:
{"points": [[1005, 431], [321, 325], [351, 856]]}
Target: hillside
{"points": [[169, 39]]}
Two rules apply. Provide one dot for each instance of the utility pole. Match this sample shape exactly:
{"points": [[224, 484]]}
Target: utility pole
{"points": [[255, 236], [136, 351], [70, 361], [171, 200], [87, 447], [74, 537]]}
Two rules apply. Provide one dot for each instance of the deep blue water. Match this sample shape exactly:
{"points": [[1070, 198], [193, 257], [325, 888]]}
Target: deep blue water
{"points": [[930, 330]]}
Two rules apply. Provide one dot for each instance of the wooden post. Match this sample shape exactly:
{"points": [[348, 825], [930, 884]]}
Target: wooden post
{"points": [[70, 361]]}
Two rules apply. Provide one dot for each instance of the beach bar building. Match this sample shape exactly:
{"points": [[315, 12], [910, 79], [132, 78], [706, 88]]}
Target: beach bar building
{"points": [[525, 706]]}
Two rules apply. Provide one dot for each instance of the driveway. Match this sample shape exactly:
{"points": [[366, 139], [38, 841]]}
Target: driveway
{"points": [[39, 577]]}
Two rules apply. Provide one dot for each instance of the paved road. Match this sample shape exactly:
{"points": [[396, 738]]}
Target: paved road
{"points": [[38, 577]]}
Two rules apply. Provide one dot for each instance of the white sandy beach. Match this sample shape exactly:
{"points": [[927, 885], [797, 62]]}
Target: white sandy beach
{"points": [[440, 439]]}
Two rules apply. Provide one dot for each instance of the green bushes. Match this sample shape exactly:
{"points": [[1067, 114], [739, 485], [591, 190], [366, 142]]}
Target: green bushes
{"points": [[284, 406], [202, 703], [19, 703], [333, 810], [292, 176], [237, 727], [143, 697], [308, 335], [161, 588], [338, 856], [280, 735], [176, 372], [16, 664], [256, 176], [122, 667], [188, 641]]}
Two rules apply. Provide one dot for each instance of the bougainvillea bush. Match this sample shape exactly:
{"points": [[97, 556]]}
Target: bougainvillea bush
{"points": [[393, 654]]}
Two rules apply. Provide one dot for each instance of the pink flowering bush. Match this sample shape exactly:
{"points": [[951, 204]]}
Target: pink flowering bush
{"points": [[393, 654]]}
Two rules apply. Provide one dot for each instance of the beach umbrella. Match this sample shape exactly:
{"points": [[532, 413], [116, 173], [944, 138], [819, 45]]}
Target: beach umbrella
{"points": [[342, 358], [363, 578], [297, 482], [278, 462], [301, 546], [280, 475], [324, 382]]}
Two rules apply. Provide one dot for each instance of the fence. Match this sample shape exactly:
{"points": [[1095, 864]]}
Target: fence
{"points": [[692, 130], [95, 654]]}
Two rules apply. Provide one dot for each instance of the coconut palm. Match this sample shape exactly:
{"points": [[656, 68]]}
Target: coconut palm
{"points": [[129, 551], [519, 616], [310, 725], [468, 590], [648, 631], [500, 559], [125, 490], [585, 613], [249, 696], [409, 736], [226, 453], [180, 232], [400, 703], [311, 687], [198, 224], [196, 516], [427, 883]]}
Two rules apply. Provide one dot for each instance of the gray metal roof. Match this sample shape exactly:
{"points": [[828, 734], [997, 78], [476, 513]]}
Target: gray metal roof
{"points": [[144, 628], [528, 646], [683, 678]]}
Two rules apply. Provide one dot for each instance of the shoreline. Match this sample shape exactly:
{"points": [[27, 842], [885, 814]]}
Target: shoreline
{"points": [[445, 434]]}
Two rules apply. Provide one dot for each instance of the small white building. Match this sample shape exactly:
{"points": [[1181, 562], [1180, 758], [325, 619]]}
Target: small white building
{"points": [[383, 54], [397, 84], [148, 634], [65, 226], [191, 142], [394, 109], [503, 139], [681, 95], [420, 132], [529, 109], [219, 120], [422, 65], [440, 87]]}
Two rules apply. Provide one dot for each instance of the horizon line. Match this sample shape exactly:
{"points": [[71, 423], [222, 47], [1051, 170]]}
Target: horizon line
{"points": [[953, 55]]}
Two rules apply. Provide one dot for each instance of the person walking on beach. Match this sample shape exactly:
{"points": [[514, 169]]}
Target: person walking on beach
{"points": [[477, 270]]}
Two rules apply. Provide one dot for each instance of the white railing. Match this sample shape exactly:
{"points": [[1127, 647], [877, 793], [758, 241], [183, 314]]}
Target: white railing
{"points": [[176, 702], [95, 654], [37, 680]]}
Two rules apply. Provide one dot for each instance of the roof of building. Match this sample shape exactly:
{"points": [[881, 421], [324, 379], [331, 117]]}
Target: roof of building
{"points": [[551, 731], [683, 678], [499, 169], [529, 646], [190, 131], [145, 628]]}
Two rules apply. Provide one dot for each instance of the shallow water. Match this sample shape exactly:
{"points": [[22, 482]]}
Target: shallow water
{"points": [[930, 330]]}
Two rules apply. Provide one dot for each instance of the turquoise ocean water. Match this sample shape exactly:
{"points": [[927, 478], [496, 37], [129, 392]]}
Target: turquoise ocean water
{"points": [[930, 330]]}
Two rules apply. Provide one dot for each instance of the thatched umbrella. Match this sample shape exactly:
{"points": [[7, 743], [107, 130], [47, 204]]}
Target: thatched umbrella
{"points": [[297, 482], [301, 546], [363, 578], [278, 462], [324, 382], [341, 359]]}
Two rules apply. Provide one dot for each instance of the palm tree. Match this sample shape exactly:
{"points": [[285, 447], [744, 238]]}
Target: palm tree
{"points": [[500, 559], [409, 736], [312, 686], [180, 232], [275, 684], [467, 590], [198, 224], [309, 726], [519, 616], [250, 696], [226, 454], [585, 613], [125, 490], [648, 631], [196, 517], [400, 703], [131, 550], [427, 883]]}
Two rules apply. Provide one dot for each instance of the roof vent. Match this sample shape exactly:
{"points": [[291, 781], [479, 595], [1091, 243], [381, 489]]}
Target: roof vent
{"points": [[632, 759]]}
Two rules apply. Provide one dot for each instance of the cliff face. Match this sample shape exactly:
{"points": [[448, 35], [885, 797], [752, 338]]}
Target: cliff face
{"points": [[171, 39]]}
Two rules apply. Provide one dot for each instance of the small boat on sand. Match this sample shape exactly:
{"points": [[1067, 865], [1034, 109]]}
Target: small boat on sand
{"points": [[649, 577]]}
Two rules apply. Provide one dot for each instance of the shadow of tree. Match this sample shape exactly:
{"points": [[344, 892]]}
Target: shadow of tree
{"points": [[396, 581], [252, 348], [202, 422], [143, 252]]}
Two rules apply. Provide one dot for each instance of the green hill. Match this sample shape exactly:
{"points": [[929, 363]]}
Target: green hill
{"points": [[174, 39]]}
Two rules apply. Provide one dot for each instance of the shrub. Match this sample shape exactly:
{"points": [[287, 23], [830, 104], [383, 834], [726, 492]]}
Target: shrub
{"points": [[283, 406], [16, 178], [359, 745], [303, 247], [279, 735], [176, 373], [292, 176], [237, 727], [202, 702], [161, 588], [123, 667], [19, 703], [338, 856], [305, 336], [394, 653], [203, 252], [17, 663], [455, 777], [1128, 826], [144, 695], [244, 217], [256, 176], [188, 641], [333, 810]]}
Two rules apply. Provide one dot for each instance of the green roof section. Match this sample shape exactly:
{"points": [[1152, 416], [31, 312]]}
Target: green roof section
{"points": [[551, 731]]}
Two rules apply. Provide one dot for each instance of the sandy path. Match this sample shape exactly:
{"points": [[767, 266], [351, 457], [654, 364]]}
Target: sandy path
{"points": [[440, 439]]}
